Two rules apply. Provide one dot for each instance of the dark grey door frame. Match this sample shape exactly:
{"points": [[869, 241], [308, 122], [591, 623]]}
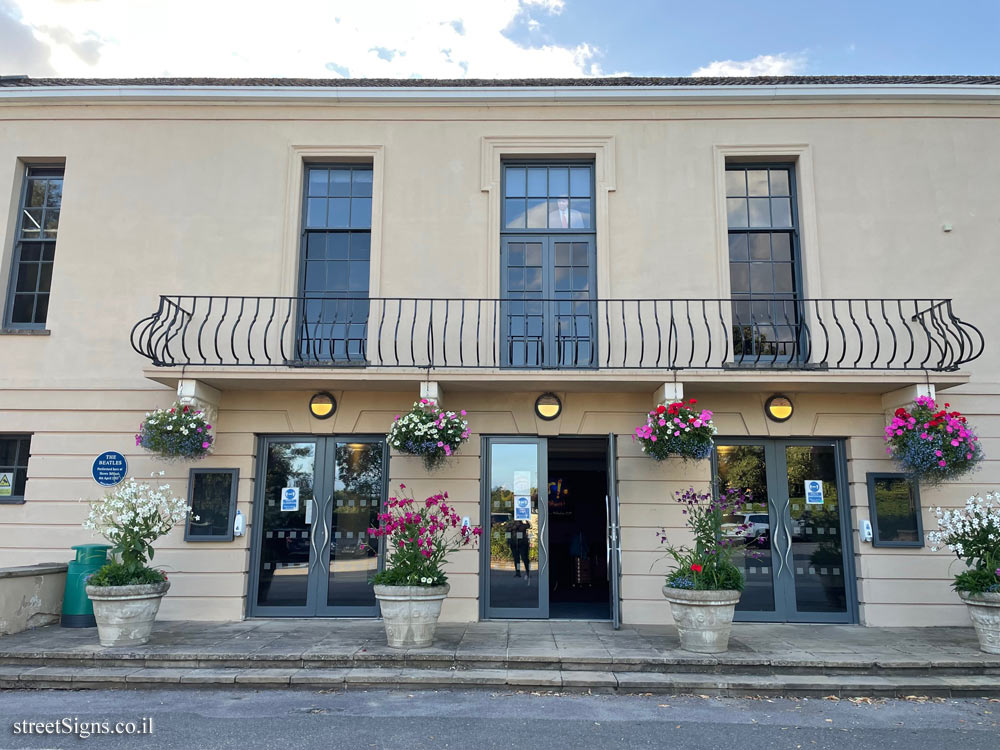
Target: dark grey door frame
{"points": [[322, 515], [778, 515], [614, 533]]}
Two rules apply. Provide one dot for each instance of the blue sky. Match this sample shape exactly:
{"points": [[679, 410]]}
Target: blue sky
{"points": [[496, 38]]}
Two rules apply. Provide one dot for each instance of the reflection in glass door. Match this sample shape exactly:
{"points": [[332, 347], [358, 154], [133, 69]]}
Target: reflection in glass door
{"points": [[311, 553], [518, 584], [797, 487]]}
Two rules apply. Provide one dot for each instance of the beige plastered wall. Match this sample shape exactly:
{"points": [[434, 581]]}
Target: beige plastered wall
{"points": [[203, 199]]}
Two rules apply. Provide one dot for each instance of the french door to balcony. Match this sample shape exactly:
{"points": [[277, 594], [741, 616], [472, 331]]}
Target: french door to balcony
{"points": [[802, 571], [548, 307], [311, 554]]}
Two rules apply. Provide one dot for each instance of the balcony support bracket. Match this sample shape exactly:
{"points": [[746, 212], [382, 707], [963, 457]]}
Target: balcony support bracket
{"points": [[202, 396], [431, 390], [906, 396], [668, 393]]}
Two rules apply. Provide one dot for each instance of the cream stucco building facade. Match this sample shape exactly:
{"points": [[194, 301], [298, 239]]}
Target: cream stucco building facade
{"points": [[879, 199]]}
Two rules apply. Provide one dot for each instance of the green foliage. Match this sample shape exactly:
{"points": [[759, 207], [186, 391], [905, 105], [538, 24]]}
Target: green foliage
{"points": [[420, 574], [977, 581], [117, 574], [724, 576]]}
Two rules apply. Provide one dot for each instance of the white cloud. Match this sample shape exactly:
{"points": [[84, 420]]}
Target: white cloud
{"points": [[307, 38], [783, 64]]}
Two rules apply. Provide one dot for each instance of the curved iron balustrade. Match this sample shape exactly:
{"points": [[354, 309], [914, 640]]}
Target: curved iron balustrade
{"points": [[631, 334]]}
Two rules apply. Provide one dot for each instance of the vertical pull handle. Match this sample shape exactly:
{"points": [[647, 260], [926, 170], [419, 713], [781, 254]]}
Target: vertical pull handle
{"points": [[788, 541], [543, 533], [314, 558], [608, 537]]}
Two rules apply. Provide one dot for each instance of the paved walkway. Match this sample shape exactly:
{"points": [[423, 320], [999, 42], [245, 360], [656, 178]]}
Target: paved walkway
{"points": [[782, 658]]}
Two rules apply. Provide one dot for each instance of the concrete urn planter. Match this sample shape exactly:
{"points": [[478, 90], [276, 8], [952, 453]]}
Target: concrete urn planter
{"points": [[984, 609], [410, 613], [704, 619], [125, 614]]}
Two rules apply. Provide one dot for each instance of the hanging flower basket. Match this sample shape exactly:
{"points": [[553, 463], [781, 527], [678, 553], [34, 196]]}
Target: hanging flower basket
{"points": [[180, 432], [678, 429], [932, 444], [429, 432]]}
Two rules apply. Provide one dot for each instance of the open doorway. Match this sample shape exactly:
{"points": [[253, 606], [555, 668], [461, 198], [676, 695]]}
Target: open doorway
{"points": [[579, 582]]}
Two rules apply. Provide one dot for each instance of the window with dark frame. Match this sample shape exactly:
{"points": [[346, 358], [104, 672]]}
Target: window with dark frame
{"points": [[14, 453], [336, 253], [763, 261], [548, 264], [34, 247], [894, 506], [212, 497]]}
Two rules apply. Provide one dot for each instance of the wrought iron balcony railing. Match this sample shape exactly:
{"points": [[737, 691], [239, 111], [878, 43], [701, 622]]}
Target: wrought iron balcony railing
{"points": [[678, 334]]}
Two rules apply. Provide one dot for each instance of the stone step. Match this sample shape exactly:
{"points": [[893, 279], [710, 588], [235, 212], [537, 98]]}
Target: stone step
{"points": [[26, 676], [444, 659]]}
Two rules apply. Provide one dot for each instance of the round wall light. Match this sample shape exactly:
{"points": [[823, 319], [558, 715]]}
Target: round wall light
{"points": [[323, 405], [548, 406], [779, 408]]}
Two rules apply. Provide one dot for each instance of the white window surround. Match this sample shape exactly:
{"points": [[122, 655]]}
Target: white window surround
{"points": [[291, 244], [798, 154], [599, 148]]}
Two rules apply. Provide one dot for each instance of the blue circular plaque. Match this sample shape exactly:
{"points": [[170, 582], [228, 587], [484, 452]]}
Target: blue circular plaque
{"points": [[110, 468]]}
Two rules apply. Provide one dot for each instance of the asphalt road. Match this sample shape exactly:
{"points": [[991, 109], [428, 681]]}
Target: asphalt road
{"points": [[391, 720]]}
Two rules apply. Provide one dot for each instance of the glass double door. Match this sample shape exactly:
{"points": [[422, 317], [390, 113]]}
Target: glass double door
{"points": [[799, 528], [316, 499]]}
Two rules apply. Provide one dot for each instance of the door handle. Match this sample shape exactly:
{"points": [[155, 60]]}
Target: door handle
{"points": [[788, 541], [543, 528], [608, 537], [312, 533], [774, 546]]}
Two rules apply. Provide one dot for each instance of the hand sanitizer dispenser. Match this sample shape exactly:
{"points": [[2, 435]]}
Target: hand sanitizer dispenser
{"points": [[240, 524]]}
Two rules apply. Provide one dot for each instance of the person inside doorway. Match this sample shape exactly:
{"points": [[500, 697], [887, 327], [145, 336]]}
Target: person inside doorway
{"points": [[517, 540]]}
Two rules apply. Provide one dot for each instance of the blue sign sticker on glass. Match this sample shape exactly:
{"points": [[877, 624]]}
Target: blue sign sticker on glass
{"points": [[290, 499], [110, 468], [522, 508], [814, 492]]}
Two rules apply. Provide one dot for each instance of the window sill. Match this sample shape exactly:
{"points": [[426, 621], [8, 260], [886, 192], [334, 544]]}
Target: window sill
{"points": [[25, 332], [11, 501]]}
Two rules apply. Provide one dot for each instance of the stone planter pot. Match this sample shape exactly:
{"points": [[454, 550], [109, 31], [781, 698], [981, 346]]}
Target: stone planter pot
{"points": [[410, 613], [984, 609], [125, 614], [704, 619]]}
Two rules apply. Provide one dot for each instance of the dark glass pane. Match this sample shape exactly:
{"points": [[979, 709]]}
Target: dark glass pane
{"points": [[361, 245], [284, 553], [781, 212], [533, 254], [563, 250], [739, 277], [580, 254], [737, 246], [779, 182], [736, 212], [48, 251], [315, 276], [340, 213], [761, 280], [816, 551], [757, 182], [514, 213], [580, 280], [760, 247], [533, 279], [45, 277], [315, 245], [337, 244], [41, 308], [514, 186], [20, 480], [27, 277], [336, 275], [579, 215], [559, 181], [896, 510], [537, 213], [357, 497], [537, 186], [8, 453], [361, 183], [744, 467], [736, 183], [210, 501], [515, 254], [50, 223], [579, 182], [32, 250], [760, 215], [781, 246], [783, 278], [515, 279], [318, 179], [35, 193], [361, 213], [316, 212], [563, 279], [23, 309], [53, 196], [340, 182], [358, 279]]}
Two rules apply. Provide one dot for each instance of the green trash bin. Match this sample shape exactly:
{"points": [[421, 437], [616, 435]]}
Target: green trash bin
{"points": [[78, 610]]}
